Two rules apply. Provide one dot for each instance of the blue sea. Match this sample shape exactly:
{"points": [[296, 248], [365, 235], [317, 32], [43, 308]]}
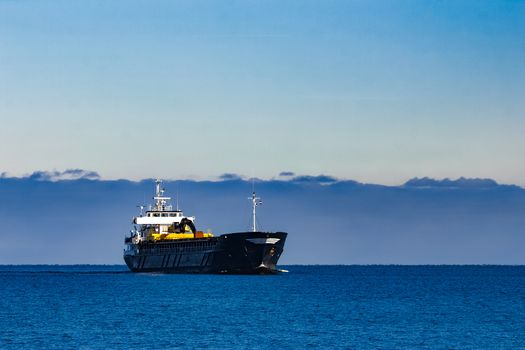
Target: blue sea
{"points": [[347, 307]]}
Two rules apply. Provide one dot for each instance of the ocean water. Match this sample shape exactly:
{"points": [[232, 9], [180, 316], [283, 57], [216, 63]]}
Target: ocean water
{"points": [[354, 307]]}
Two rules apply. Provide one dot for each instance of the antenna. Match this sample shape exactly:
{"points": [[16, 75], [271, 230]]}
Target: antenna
{"points": [[177, 196]]}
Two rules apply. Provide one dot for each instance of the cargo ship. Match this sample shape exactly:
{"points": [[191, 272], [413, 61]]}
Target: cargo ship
{"points": [[165, 240]]}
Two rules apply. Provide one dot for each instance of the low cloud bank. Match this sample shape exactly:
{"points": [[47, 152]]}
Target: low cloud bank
{"points": [[74, 216], [285, 176], [68, 174], [461, 182]]}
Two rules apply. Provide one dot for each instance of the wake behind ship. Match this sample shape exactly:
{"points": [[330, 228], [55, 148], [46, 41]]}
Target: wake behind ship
{"points": [[165, 240]]}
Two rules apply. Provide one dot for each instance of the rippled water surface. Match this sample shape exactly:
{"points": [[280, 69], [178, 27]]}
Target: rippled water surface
{"points": [[99, 307]]}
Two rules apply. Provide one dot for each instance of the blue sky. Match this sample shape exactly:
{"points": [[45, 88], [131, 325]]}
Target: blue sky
{"points": [[375, 91]]}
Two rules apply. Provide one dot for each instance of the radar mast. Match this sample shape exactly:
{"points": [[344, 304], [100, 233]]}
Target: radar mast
{"points": [[160, 200]]}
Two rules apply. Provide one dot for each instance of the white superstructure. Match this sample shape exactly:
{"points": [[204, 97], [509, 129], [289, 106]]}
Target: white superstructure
{"points": [[160, 221], [162, 212]]}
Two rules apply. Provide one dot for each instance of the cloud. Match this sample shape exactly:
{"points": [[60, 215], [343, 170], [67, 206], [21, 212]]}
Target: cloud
{"points": [[284, 177], [230, 177], [68, 174], [286, 173], [461, 182], [320, 179]]}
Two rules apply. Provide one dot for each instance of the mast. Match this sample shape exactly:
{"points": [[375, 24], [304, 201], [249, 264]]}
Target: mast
{"points": [[256, 201], [160, 200]]}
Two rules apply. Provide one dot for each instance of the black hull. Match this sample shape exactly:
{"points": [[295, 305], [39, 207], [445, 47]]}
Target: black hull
{"points": [[233, 253]]}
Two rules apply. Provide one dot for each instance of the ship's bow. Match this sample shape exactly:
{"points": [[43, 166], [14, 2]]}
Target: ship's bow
{"points": [[251, 252]]}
